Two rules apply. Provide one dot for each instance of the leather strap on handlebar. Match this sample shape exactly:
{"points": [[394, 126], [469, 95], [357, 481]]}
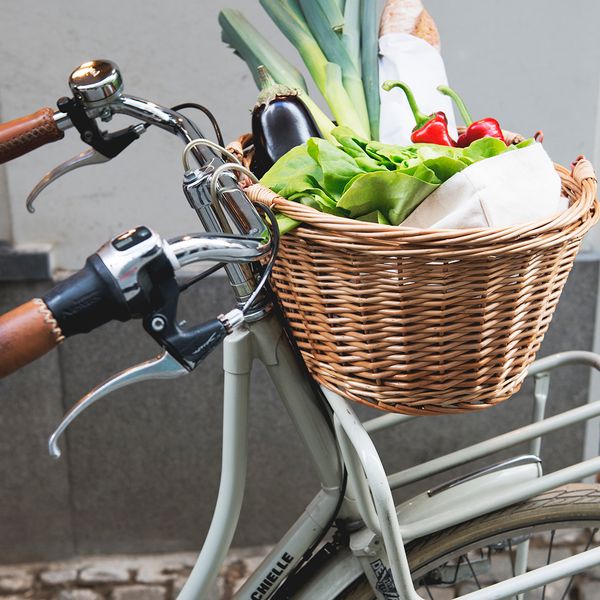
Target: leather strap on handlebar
{"points": [[26, 333], [22, 135]]}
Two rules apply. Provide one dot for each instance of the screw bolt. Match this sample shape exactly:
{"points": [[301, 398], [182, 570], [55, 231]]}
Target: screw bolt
{"points": [[88, 136], [158, 323]]}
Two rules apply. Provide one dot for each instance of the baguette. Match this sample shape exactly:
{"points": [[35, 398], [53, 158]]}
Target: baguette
{"points": [[409, 16]]}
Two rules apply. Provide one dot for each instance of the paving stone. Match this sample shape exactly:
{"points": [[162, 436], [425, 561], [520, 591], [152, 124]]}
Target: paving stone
{"points": [[107, 573], [78, 595], [218, 590], [153, 575], [139, 592], [234, 575], [439, 593], [588, 590], [556, 590], [61, 577], [15, 583], [538, 557]]}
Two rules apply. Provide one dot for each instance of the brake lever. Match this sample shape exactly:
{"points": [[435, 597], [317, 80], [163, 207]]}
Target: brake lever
{"points": [[83, 159], [104, 146], [163, 366]]}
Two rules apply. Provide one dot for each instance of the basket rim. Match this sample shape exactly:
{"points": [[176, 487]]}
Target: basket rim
{"points": [[581, 183]]}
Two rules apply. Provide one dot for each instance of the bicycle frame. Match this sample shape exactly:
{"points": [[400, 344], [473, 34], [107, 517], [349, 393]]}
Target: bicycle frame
{"points": [[368, 497], [377, 545]]}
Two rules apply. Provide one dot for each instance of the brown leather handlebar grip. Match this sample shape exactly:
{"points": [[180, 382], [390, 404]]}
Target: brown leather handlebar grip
{"points": [[26, 333], [22, 135]]}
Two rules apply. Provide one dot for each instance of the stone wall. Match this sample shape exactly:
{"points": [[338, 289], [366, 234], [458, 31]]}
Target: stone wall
{"points": [[140, 469]]}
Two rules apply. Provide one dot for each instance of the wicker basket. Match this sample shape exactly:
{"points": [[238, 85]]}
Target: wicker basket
{"points": [[425, 321]]}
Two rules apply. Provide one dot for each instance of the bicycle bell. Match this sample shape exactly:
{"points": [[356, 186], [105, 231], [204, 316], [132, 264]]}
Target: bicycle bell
{"points": [[96, 83]]}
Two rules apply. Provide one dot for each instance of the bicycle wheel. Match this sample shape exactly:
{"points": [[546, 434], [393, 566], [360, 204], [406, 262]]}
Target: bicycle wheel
{"points": [[483, 551]]}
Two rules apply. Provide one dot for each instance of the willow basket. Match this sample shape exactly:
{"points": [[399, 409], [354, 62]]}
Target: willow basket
{"points": [[425, 321]]}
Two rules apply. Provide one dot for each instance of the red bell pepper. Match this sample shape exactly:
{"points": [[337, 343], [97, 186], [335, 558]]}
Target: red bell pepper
{"points": [[430, 129], [475, 130]]}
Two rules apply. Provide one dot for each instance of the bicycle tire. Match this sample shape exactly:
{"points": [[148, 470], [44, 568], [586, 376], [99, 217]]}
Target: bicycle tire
{"points": [[570, 506]]}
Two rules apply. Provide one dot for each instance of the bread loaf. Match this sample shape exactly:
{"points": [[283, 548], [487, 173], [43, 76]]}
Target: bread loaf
{"points": [[409, 16]]}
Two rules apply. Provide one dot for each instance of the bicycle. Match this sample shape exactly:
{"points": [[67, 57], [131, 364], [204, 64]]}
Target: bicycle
{"points": [[352, 542]]}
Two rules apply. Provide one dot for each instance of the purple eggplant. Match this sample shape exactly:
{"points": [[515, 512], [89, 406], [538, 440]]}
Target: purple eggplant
{"points": [[280, 122]]}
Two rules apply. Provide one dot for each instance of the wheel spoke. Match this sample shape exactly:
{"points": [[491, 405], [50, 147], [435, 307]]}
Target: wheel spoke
{"points": [[428, 592], [476, 550], [552, 534], [587, 547], [473, 572]]}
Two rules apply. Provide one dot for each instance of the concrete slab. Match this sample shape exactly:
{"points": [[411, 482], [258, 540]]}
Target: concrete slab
{"points": [[35, 520], [143, 464]]}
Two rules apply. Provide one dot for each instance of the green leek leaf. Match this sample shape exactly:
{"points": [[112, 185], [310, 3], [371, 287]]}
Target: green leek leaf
{"points": [[335, 16], [251, 45], [351, 36], [255, 50], [335, 52], [369, 51]]}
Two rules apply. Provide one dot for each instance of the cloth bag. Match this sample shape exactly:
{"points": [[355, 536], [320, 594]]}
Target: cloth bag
{"points": [[516, 187], [412, 60]]}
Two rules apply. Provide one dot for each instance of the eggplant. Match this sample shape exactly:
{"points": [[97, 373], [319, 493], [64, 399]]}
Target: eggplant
{"points": [[280, 122]]}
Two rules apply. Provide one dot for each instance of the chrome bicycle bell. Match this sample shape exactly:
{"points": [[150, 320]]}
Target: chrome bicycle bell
{"points": [[96, 83]]}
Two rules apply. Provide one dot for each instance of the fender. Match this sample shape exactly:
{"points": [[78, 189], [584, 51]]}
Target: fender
{"points": [[367, 556]]}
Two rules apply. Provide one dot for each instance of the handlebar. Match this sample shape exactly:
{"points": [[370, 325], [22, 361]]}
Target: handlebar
{"points": [[132, 276], [20, 136], [97, 89], [27, 333]]}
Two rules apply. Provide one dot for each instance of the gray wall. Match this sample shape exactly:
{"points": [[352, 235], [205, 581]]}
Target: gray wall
{"points": [[532, 64], [140, 471]]}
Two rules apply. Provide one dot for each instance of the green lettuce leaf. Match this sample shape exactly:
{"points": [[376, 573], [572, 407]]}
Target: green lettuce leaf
{"points": [[393, 193], [336, 166], [375, 217], [370, 180], [296, 162], [286, 224], [485, 148]]}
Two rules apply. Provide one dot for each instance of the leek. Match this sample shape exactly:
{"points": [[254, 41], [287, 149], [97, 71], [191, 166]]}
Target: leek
{"points": [[351, 37], [370, 62], [334, 15], [335, 51], [295, 11], [340, 4], [341, 100], [252, 47], [255, 50]]}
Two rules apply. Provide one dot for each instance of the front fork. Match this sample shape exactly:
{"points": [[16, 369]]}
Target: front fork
{"points": [[265, 340]]}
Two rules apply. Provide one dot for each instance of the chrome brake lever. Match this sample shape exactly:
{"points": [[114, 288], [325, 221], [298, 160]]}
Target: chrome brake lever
{"points": [[83, 159], [163, 366]]}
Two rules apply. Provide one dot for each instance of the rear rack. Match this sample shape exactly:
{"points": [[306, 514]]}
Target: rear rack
{"points": [[372, 487]]}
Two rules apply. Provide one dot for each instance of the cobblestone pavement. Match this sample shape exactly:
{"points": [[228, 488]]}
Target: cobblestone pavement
{"points": [[161, 577], [156, 577]]}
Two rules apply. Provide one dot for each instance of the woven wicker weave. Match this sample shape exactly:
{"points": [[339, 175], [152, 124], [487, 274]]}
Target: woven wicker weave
{"points": [[425, 321]]}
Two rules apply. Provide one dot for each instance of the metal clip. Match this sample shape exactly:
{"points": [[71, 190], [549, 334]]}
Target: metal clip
{"points": [[164, 366], [83, 159]]}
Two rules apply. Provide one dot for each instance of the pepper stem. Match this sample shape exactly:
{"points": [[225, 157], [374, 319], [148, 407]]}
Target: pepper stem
{"points": [[464, 113], [420, 118]]}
